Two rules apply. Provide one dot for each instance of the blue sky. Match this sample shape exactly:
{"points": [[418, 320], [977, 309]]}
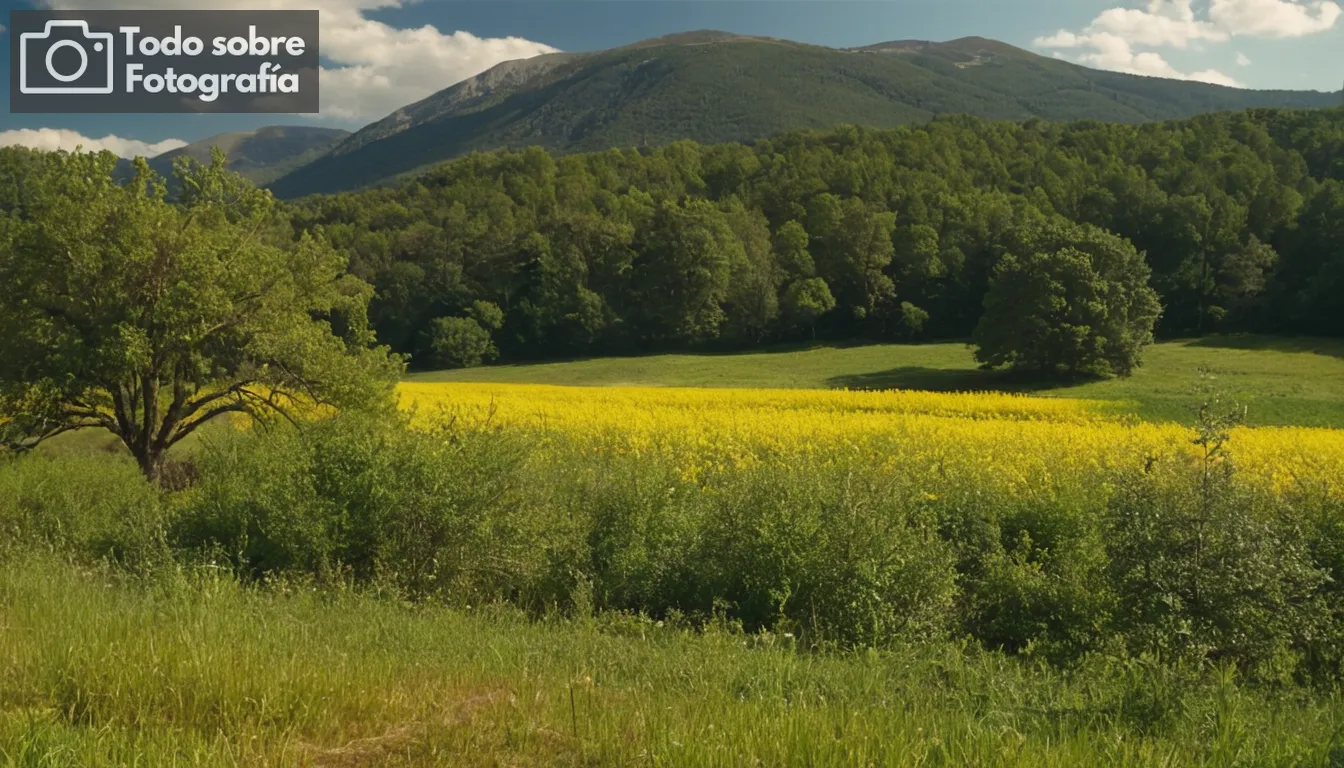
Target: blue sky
{"points": [[381, 54]]}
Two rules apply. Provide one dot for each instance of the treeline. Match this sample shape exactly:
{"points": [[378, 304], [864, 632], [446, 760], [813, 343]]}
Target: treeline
{"points": [[872, 234], [851, 234]]}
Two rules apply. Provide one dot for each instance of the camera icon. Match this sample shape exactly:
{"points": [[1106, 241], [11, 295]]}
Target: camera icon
{"points": [[37, 54]]}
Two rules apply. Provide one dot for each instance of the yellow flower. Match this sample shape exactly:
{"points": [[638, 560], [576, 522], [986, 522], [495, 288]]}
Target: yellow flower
{"points": [[1027, 444]]}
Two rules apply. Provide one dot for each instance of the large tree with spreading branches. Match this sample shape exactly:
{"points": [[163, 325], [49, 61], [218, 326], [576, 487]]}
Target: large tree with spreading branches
{"points": [[149, 317]]}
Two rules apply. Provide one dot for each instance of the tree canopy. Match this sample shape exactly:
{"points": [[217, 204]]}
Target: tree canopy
{"points": [[148, 318], [1067, 299], [1236, 216]]}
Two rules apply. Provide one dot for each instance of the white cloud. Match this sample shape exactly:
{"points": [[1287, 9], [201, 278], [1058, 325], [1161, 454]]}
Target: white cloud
{"points": [[59, 138], [1113, 52], [1243, 60], [1111, 40], [1163, 23], [375, 68], [1274, 18]]}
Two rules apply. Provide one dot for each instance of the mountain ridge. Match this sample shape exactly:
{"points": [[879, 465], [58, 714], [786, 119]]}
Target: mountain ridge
{"points": [[713, 86]]}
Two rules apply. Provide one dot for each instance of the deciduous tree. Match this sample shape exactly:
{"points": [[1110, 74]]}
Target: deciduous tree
{"points": [[147, 318], [1068, 299]]}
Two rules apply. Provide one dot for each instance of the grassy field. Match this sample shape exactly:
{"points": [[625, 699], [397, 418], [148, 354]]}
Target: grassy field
{"points": [[707, 576], [189, 668], [1283, 381]]}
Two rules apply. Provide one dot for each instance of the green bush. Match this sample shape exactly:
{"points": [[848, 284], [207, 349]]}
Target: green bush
{"points": [[91, 507], [425, 512], [1032, 570], [822, 551], [1206, 568], [837, 553], [1178, 562], [640, 531]]}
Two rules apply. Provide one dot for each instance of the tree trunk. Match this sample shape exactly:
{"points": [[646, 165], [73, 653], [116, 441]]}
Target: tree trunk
{"points": [[150, 462]]}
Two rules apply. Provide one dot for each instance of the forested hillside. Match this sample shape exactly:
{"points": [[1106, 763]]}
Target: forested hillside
{"points": [[716, 86], [849, 234]]}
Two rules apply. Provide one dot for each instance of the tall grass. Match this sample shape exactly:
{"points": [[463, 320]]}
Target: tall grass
{"points": [[358, 591], [191, 667], [92, 506]]}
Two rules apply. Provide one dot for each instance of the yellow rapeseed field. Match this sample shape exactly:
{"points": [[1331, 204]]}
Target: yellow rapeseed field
{"points": [[1013, 440]]}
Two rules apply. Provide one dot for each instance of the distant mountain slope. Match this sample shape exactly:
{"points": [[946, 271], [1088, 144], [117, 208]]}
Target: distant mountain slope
{"points": [[716, 86], [263, 155]]}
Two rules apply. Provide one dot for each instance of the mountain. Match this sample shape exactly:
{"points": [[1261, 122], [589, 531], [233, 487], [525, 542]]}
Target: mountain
{"points": [[263, 155], [717, 86]]}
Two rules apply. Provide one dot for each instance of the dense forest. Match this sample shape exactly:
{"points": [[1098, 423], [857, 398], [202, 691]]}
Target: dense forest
{"points": [[849, 234], [852, 234]]}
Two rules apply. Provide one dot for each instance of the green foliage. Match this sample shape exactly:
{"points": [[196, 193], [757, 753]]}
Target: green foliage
{"points": [[1068, 299], [125, 312], [829, 554], [624, 251], [464, 342], [913, 318], [1207, 569], [487, 315], [791, 251], [366, 496], [853, 248], [1176, 560], [92, 507], [680, 277], [805, 300], [717, 87], [460, 342]]}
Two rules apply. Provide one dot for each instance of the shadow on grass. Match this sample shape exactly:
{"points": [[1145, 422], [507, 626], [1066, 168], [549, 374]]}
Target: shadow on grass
{"points": [[951, 380], [1318, 346], [415, 373]]}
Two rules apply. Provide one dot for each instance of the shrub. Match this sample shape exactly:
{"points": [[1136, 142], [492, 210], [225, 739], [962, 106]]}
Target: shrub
{"points": [[427, 513], [1032, 570], [90, 507], [819, 550], [1178, 560], [641, 526], [1210, 569], [840, 554]]}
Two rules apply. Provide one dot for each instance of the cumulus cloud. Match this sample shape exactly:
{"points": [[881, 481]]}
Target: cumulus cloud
{"points": [[59, 138], [1113, 52], [1162, 23], [1243, 60], [1274, 18], [374, 68], [1115, 39]]}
